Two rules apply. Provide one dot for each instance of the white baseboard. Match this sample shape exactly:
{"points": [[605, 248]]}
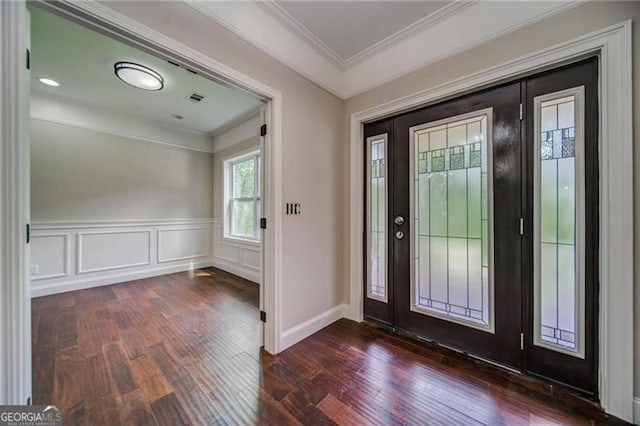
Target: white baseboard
{"points": [[235, 269], [301, 331], [353, 314], [636, 410], [104, 279]]}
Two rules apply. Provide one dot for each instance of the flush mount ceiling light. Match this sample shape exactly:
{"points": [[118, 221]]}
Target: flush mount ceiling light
{"points": [[138, 76], [49, 82]]}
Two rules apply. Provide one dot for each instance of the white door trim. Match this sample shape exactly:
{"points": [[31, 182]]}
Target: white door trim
{"points": [[15, 353], [15, 300], [613, 45]]}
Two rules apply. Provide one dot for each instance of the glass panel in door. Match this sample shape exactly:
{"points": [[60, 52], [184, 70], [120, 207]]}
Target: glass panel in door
{"points": [[559, 221], [452, 248], [377, 217]]}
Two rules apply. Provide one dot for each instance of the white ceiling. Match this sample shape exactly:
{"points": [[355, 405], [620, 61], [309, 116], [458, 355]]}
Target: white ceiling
{"points": [[350, 47], [349, 27], [81, 60]]}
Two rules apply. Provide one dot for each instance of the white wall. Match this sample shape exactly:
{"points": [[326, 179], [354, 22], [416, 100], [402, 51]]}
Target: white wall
{"points": [[242, 258], [312, 253], [79, 174], [243, 131], [110, 208], [557, 29]]}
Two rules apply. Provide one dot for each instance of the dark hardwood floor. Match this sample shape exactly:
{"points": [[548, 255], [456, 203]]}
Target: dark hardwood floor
{"points": [[184, 349]]}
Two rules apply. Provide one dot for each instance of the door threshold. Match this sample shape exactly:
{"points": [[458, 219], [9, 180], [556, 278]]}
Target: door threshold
{"points": [[517, 380], [435, 343]]}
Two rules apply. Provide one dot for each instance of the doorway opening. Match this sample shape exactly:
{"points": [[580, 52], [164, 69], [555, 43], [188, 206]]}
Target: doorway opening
{"points": [[92, 252]]}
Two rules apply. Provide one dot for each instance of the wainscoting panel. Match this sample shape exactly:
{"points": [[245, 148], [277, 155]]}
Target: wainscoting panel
{"points": [[182, 244], [107, 250], [238, 257], [69, 256], [250, 259], [52, 251], [226, 252]]}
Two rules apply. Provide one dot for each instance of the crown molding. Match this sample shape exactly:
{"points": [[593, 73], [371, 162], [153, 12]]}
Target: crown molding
{"points": [[252, 113], [292, 24], [421, 25], [393, 62], [65, 99], [261, 29], [63, 110], [459, 26]]}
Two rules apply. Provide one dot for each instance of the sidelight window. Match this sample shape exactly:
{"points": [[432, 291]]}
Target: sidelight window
{"points": [[377, 217], [559, 187]]}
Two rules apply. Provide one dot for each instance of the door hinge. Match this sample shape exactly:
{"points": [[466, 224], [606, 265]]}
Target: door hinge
{"points": [[521, 226], [263, 316], [263, 223], [28, 59], [522, 341], [28, 233], [520, 112], [263, 130]]}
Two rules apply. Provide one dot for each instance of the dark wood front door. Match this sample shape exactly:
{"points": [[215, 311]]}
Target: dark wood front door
{"points": [[480, 213], [457, 185]]}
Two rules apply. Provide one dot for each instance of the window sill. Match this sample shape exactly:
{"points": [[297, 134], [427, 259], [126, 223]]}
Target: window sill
{"points": [[236, 240]]}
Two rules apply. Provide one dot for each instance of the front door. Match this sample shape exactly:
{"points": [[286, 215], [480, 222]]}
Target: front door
{"points": [[459, 218]]}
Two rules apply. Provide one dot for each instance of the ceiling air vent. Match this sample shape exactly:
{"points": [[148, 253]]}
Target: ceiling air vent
{"points": [[194, 97]]}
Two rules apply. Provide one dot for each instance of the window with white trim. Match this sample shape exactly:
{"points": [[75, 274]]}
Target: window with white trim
{"points": [[242, 197]]}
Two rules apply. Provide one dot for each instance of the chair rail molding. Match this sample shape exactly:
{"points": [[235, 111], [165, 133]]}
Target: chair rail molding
{"points": [[613, 45]]}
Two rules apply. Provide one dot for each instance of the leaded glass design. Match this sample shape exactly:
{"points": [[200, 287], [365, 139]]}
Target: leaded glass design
{"points": [[450, 201], [377, 212], [558, 185]]}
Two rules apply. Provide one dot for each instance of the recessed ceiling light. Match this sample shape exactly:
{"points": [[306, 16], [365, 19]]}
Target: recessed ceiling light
{"points": [[139, 76], [49, 82]]}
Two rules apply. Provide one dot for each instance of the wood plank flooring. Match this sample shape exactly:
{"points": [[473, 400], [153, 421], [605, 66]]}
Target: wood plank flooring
{"points": [[184, 349]]}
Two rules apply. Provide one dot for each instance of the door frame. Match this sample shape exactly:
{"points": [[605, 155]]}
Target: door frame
{"points": [[613, 46], [15, 298]]}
